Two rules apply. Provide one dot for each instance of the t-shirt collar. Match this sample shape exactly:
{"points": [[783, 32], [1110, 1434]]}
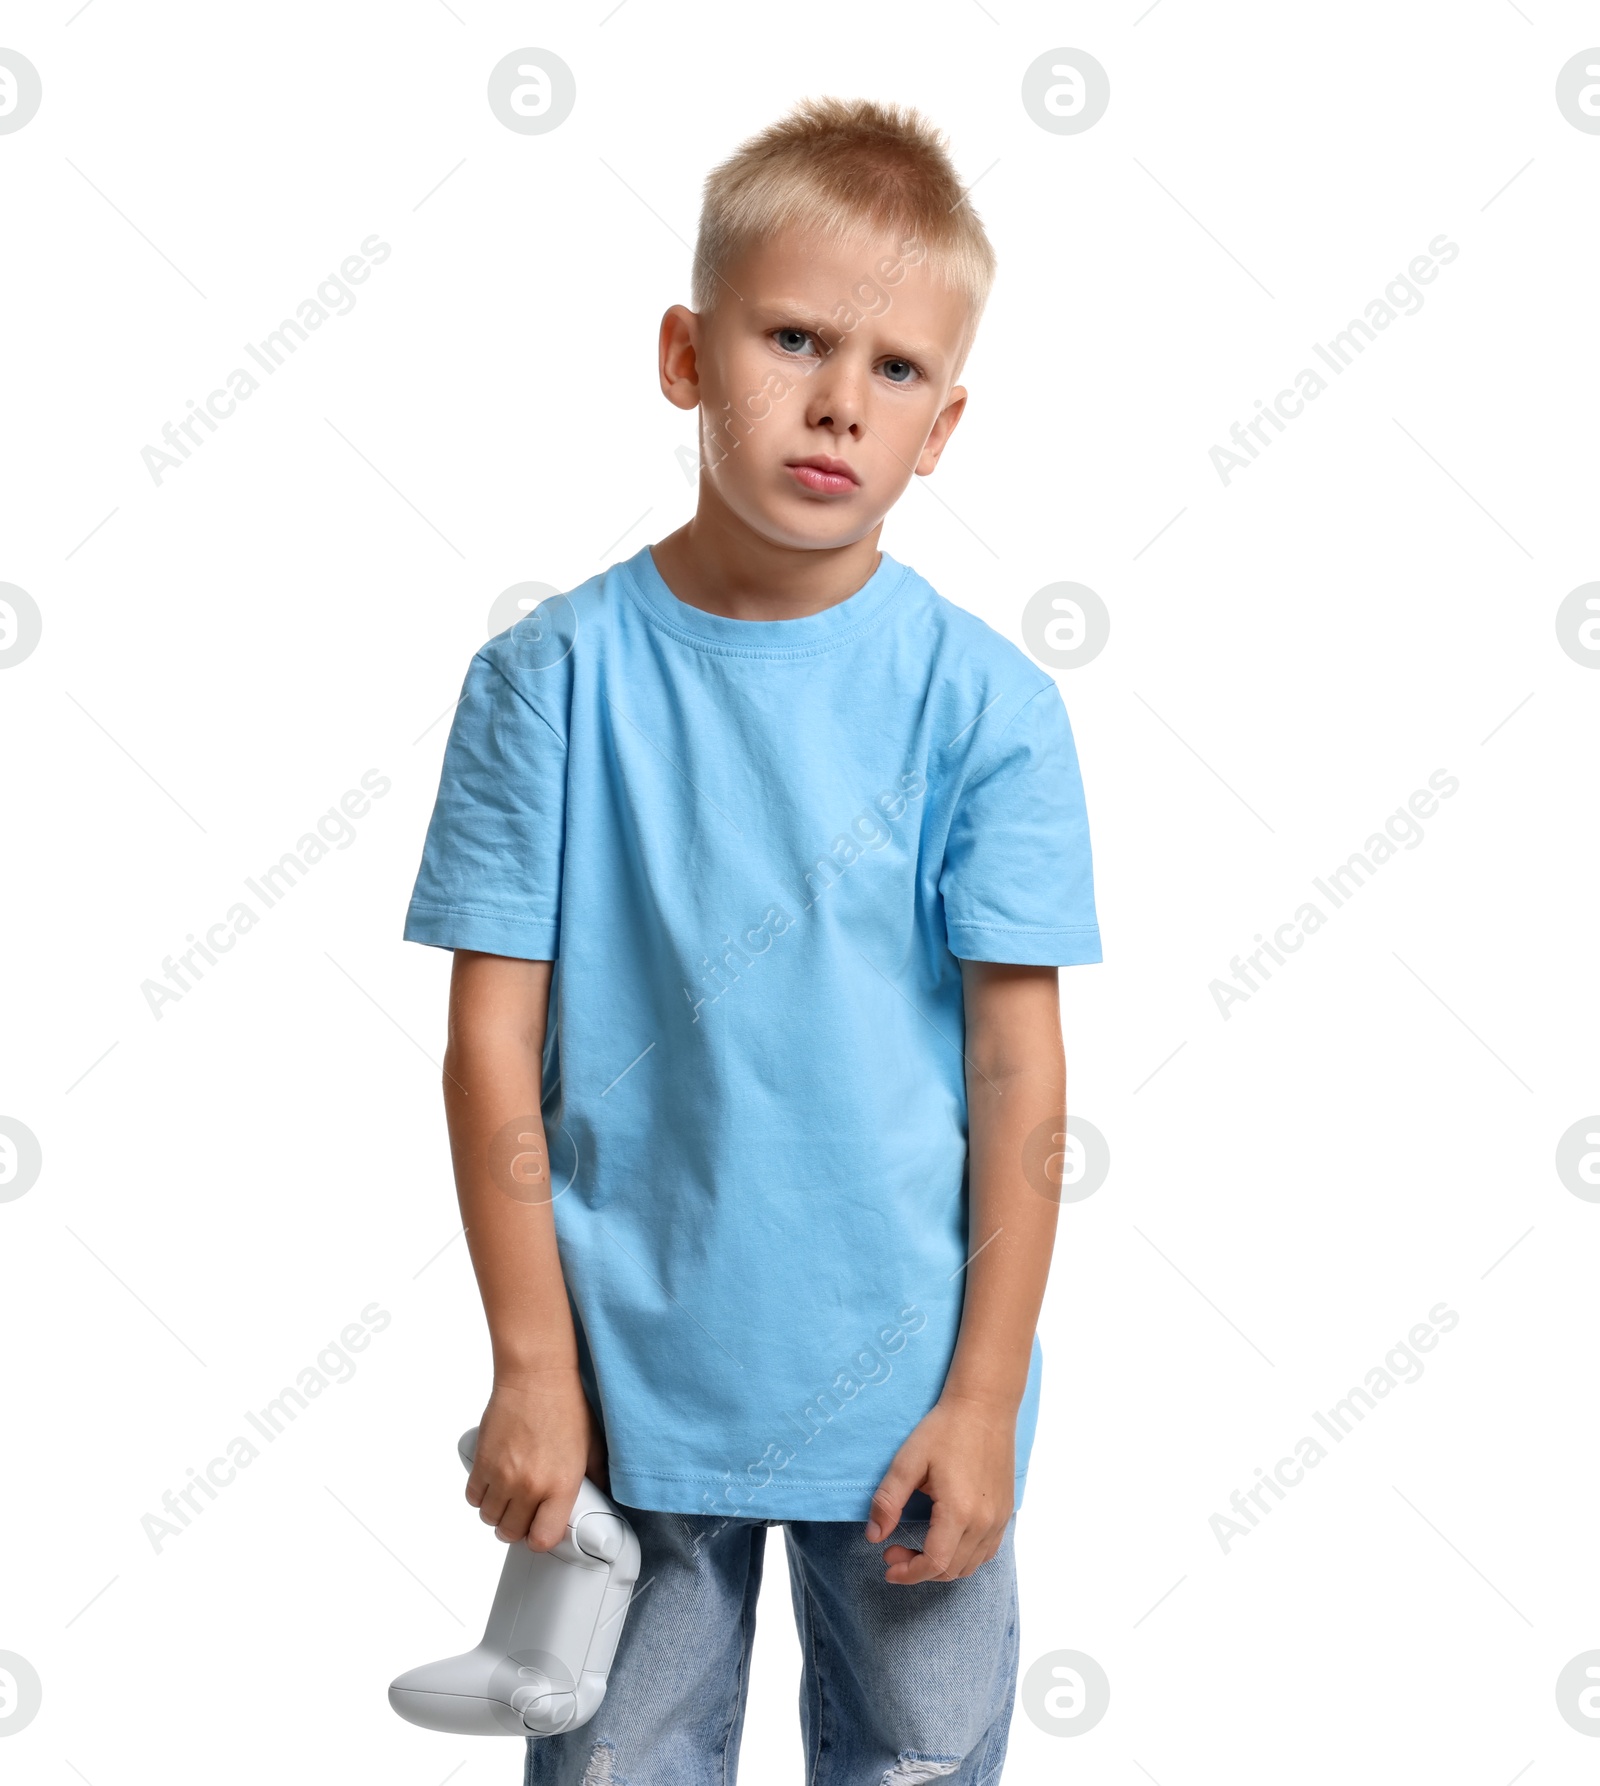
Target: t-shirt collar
{"points": [[760, 638]]}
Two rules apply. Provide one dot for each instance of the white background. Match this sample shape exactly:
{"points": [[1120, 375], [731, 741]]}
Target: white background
{"points": [[223, 655]]}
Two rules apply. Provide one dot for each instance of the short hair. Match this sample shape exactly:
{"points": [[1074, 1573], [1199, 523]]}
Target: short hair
{"points": [[837, 167]]}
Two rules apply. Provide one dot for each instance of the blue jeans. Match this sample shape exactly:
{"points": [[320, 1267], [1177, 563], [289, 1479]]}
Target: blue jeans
{"points": [[900, 1685]]}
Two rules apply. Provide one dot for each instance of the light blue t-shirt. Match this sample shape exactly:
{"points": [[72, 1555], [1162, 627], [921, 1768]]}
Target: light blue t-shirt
{"points": [[755, 851]]}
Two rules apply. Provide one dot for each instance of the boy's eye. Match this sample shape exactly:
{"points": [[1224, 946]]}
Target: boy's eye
{"points": [[899, 371], [791, 340]]}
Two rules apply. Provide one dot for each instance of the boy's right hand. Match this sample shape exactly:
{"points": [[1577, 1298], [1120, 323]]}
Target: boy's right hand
{"points": [[537, 1440]]}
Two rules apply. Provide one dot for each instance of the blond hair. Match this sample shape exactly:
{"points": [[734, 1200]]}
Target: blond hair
{"points": [[836, 167]]}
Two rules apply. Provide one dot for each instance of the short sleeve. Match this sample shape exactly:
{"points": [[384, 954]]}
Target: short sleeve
{"points": [[490, 877], [1017, 881]]}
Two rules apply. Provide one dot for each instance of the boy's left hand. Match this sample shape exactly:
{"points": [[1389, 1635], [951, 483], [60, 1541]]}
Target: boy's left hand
{"points": [[961, 1454]]}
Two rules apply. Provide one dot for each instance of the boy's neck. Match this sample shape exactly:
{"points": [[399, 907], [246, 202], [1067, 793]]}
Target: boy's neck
{"points": [[716, 562]]}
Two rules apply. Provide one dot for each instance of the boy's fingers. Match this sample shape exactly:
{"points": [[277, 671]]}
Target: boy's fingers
{"points": [[923, 1567], [966, 1558], [976, 1547], [898, 1556], [512, 1525], [888, 1504], [985, 1553], [491, 1505], [960, 1557], [945, 1533], [550, 1521]]}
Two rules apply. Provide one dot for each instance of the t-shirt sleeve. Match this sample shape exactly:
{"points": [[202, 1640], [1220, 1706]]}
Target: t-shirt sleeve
{"points": [[1017, 880], [491, 863]]}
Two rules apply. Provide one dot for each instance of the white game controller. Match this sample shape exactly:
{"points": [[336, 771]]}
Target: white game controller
{"points": [[552, 1632]]}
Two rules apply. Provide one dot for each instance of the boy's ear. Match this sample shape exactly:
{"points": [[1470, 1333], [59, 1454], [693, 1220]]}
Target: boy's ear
{"points": [[678, 354], [941, 430]]}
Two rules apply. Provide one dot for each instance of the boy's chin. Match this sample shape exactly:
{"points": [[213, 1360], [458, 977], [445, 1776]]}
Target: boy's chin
{"points": [[821, 542], [806, 527]]}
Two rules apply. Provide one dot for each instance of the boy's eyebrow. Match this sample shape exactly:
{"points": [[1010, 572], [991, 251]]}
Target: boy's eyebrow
{"points": [[770, 314]]}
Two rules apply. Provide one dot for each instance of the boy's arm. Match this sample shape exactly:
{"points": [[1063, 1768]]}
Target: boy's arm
{"points": [[963, 1453], [538, 1437]]}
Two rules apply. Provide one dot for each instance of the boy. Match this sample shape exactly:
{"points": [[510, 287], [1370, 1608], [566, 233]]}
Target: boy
{"points": [[759, 858]]}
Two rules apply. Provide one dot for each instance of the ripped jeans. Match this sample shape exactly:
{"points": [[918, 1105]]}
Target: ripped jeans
{"points": [[900, 1685]]}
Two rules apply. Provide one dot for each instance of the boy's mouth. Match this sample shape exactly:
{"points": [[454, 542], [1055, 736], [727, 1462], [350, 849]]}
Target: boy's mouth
{"points": [[829, 476]]}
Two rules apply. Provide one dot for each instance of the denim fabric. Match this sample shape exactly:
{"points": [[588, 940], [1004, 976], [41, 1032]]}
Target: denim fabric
{"points": [[899, 1685]]}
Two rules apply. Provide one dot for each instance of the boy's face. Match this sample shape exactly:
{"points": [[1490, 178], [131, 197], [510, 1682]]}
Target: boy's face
{"points": [[845, 354]]}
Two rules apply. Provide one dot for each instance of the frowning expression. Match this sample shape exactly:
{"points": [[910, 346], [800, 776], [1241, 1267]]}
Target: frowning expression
{"points": [[825, 379]]}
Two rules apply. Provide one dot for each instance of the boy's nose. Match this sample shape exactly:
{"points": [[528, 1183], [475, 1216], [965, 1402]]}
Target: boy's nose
{"points": [[834, 399], [838, 409]]}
